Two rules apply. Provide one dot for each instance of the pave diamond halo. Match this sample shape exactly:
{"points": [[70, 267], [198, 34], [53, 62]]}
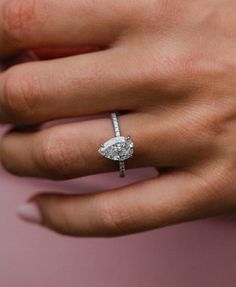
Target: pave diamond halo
{"points": [[118, 148]]}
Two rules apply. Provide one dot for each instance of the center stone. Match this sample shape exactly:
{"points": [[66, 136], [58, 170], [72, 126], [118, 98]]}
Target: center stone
{"points": [[117, 148]]}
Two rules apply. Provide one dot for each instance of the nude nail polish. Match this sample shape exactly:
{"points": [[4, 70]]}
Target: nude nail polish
{"points": [[30, 212]]}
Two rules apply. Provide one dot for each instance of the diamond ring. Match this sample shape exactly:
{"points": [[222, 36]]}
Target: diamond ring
{"points": [[118, 148]]}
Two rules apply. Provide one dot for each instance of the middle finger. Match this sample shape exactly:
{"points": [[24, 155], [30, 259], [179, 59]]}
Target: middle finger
{"points": [[69, 87]]}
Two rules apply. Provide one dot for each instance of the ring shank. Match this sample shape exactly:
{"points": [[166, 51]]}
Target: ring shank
{"points": [[122, 168], [116, 126], [115, 123]]}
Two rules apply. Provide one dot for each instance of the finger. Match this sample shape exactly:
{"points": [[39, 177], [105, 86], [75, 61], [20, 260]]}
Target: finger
{"points": [[155, 203], [69, 87], [68, 151], [32, 24]]}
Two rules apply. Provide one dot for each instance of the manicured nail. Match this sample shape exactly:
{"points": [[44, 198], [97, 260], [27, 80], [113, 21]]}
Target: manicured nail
{"points": [[30, 212]]}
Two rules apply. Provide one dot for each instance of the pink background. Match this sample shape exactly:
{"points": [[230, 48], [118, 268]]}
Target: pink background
{"points": [[197, 254]]}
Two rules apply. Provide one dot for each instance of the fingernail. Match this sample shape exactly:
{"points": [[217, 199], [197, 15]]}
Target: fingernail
{"points": [[30, 213]]}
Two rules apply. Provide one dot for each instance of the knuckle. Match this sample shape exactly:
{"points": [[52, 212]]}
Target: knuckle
{"points": [[216, 182], [55, 157], [178, 69], [17, 18], [171, 77], [22, 94], [114, 220], [223, 177]]}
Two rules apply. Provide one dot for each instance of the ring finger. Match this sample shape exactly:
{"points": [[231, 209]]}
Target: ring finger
{"points": [[70, 150]]}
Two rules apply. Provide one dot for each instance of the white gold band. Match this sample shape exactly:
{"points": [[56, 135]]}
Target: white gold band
{"points": [[116, 126], [114, 117], [122, 168]]}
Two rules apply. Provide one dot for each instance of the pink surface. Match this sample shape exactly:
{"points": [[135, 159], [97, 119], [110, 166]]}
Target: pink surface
{"points": [[194, 254]]}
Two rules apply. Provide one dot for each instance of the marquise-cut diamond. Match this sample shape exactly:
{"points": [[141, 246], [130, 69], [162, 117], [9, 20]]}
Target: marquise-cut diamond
{"points": [[117, 148]]}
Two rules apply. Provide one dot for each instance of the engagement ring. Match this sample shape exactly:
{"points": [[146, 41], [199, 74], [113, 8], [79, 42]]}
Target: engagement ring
{"points": [[118, 148]]}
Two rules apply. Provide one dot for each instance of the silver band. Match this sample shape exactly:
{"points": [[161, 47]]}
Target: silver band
{"points": [[116, 126], [114, 117], [122, 168]]}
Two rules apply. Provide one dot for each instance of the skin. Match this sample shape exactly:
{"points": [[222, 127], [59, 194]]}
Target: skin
{"points": [[168, 66]]}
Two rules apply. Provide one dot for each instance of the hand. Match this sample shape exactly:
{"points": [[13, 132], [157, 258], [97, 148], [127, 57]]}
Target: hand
{"points": [[170, 66]]}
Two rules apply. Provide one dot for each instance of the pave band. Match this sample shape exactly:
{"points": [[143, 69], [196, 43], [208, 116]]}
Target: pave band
{"points": [[118, 148], [116, 126], [115, 123]]}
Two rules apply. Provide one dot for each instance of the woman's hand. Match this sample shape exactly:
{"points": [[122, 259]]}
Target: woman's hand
{"points": [[169, 65]]}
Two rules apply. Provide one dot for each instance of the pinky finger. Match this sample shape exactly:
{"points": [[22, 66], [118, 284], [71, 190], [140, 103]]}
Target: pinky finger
{"points": [[172, 198]]}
